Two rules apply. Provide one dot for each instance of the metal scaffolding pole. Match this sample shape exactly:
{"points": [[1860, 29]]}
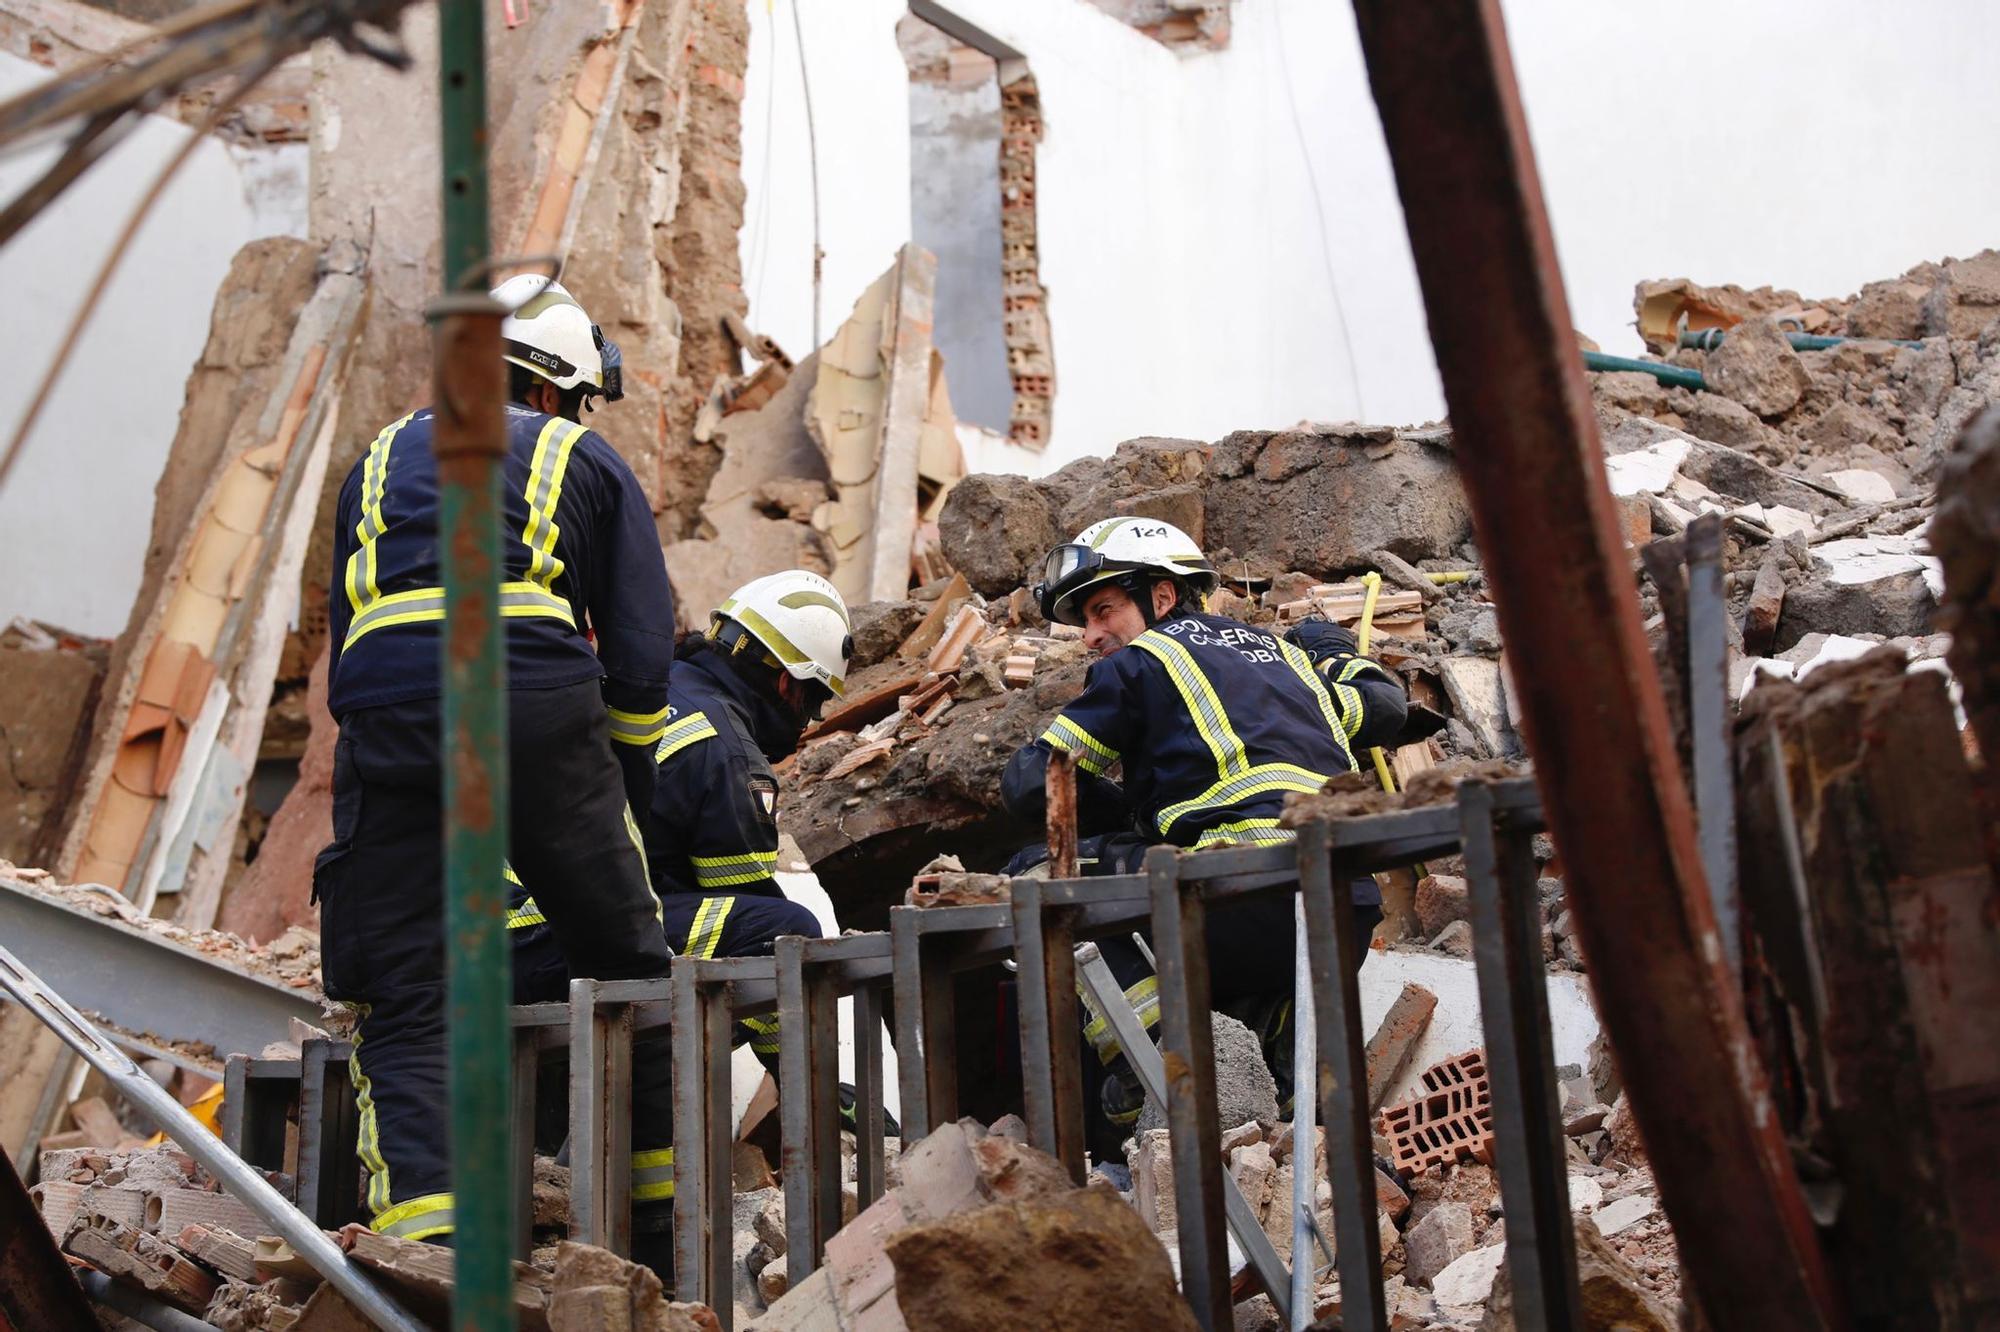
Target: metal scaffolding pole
{"points": [[470, 444]]}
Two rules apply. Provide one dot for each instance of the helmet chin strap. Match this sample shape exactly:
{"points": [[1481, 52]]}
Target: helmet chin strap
{"points": [[1145, 600]]}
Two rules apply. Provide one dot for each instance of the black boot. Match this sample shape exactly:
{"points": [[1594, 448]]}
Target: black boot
{"points": [[653, 1241]]}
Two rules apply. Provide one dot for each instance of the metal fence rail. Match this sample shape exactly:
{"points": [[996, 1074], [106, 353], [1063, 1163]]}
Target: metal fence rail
{"points": [[913, 965]]}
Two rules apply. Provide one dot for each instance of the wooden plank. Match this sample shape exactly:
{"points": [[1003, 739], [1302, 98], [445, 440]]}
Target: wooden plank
{"points": [[931, 628], [99, 1125], [965, 626], [857, 712]]}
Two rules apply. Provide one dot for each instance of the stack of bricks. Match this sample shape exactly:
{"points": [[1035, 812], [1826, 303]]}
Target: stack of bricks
{"points": [[1450, 1120], [1030, 359]]}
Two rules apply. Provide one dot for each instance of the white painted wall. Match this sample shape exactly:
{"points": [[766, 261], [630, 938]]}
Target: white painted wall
{"points": [[78, 508], [1186, 258]]}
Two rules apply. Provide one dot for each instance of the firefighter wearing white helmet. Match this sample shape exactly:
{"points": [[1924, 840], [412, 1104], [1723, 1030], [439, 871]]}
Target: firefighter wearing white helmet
{"points": [[742, 693], [588, 619], [1213, 723], [548, 340]]}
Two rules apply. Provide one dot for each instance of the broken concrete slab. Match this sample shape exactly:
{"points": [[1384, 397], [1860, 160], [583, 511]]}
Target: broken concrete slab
{"points": [[1624, 1213], [1441, 1238], [958, 1168], [1469, 1279], [1078, 1260], [1479, 700], [1614, 1295], [1243, 1087]]}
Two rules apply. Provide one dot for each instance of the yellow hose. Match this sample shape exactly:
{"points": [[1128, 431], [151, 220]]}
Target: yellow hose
{"points": [[1372, 581]]}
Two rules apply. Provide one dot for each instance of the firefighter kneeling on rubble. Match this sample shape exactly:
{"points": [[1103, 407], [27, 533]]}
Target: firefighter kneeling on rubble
{"points": [[776, 650], [582, 556], [1215, 722]]}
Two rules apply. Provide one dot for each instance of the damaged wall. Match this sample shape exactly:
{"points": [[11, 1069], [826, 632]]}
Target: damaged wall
{"points": [[1185, 257]]}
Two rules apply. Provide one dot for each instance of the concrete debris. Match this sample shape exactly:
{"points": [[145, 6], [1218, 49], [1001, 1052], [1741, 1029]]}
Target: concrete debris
{"points": [[1244, 1090], [1615, 1293], [958, 1168], [1260, 503], [1442, 899], [1759, 369], [126, 1253], [1076, 1260], [841, 468], [1441, 1238]]}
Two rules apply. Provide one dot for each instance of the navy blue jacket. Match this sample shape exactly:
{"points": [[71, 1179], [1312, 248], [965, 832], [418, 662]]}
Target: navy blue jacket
{"points": [[1215, 723], [582, 559], [713, 828]]}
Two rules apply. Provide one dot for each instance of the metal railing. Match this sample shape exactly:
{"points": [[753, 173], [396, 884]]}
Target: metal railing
{"points": [[909, 970]]}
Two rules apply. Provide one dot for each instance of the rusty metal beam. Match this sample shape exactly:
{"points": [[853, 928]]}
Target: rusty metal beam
{"points": [[1592, 710]]}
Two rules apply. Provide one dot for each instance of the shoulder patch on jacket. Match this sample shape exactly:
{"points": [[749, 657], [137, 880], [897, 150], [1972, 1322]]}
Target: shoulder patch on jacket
{"points": [[764, 795]]}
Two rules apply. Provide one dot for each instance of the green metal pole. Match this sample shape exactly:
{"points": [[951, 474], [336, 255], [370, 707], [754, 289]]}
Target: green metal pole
{"points": [[471, 441]]}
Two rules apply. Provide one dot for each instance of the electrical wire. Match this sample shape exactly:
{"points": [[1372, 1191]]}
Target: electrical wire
{"points": [[1319, 208], [812, 151], [195, 139]]}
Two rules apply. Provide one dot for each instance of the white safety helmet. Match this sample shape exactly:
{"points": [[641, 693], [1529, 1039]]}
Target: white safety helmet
{"points": [[549, 334], [800, 620], [1126, 551]]}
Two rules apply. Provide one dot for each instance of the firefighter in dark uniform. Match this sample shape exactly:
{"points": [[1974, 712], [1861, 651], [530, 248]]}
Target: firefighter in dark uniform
{"points": [[775, 652], [584, 560], [1215, 723]]}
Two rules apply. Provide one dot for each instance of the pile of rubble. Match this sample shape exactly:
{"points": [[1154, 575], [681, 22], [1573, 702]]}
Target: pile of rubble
{"points": [[153, 1220]]}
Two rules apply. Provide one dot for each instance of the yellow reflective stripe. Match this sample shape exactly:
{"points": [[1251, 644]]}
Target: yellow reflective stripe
{"points": [[681, 733], [731, 871], [637, 728], [368, 1140], [653, 1175], [1066, 735], [1258, 780], [1354, 667], [1142, 994], [765, 1039], [1350, 709], [544, 492], [360, 577], [639, 845], [1199, 697], [706, 931], [526, 914], [1258, 831], [416, 1219], [749, 858], [730, 880], [1302, 667], [426, 604]]}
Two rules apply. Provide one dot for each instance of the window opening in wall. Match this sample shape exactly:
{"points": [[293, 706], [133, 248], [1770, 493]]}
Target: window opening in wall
{"points": [[975, 123]]}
